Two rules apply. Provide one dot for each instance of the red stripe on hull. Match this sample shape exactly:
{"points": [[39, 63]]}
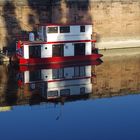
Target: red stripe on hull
{"points": [[59, 65], [40, 61]]}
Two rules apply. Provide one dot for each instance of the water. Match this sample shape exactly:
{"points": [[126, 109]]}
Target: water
{"points": [[107, 108]]}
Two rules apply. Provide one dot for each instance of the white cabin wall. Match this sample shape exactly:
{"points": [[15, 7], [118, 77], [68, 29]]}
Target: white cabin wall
{"points": [[75, 30], [74, 34], [67, 37], [46, 50], [88, 29], [69, 83], [26, 77], [88, 49], [74, 90], [69, 49], [46, 74], [26, 51], [88, 70]]}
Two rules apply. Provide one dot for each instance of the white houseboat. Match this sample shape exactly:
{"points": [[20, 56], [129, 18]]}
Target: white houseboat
{"points": [[57, 81], [57, 43]]}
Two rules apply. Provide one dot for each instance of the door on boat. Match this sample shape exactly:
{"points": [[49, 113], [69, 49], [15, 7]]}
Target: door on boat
{"points": [[79, 49], [35, 51], [35, 76], [58, 50]]}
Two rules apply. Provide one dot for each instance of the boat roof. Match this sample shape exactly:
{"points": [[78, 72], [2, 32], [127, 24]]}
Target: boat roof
{"points": [[56, 24], [55, 42], [34, 42]]}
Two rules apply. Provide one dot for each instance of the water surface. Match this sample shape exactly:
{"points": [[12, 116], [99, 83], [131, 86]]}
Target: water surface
{"points": [[110, 111]]}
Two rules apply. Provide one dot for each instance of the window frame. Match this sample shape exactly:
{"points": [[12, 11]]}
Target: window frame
{"points": [[82, 90], [35, 76], [52, 31], [63, 90], [57, 49], [81, 47], [56, 94], [58, 73], [82, 28], [64, 29], [34, 49]]}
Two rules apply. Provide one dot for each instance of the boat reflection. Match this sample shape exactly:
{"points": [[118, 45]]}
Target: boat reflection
{"points": [[56, 82]]}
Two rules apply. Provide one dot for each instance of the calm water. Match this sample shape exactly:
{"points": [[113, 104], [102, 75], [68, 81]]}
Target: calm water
{"points": [[107, 108]]}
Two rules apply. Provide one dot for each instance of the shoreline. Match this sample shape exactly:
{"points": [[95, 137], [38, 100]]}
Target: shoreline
{"points": [[107, 45], [120, 52]]}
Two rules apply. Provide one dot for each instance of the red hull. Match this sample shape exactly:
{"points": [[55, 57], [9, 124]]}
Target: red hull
{"points": [[66, 59], [59, 65]]}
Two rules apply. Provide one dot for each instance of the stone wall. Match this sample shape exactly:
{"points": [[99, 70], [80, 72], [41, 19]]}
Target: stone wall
{"points": [[18, 16], [116, 22]]}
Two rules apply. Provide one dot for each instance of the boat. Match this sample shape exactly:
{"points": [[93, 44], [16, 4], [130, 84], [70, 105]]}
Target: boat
{"points": [[57, 81], [57, 43]]}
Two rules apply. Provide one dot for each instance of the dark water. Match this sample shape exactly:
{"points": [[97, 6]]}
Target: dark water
{"points": [[110, 111]]}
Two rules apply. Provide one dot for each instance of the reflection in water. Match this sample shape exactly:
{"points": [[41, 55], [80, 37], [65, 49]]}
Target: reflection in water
{"points": [[117, 76], [50, 83]]}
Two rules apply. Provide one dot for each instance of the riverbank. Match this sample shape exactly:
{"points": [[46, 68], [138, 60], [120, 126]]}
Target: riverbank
{"points": [[120, 52], [4, 58], [118, 44]]}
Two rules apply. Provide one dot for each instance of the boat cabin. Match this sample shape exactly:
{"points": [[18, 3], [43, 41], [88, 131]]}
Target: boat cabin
{"points": [[44, 49], [58, 32], [57, 43]]}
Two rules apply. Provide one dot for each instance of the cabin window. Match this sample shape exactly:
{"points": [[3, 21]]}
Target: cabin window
{"points": [[65, 29], [65, 92], [82, 90], [35, 75], [82, 71], [58, 73], [79, 49], [52, 29], [82, 28], [35, 51], [79, 71], [39, 29], [76, 71], [52, 93], [58, 50]]}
